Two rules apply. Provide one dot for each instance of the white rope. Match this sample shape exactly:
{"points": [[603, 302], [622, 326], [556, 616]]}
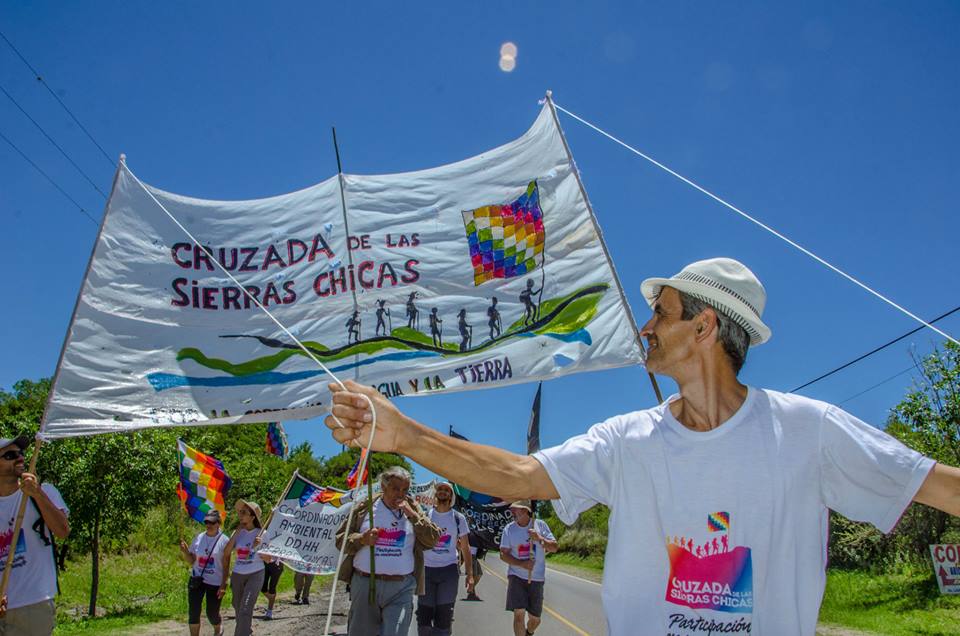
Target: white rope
{"points": [[760, 224], [373, 410], [346, 528]]}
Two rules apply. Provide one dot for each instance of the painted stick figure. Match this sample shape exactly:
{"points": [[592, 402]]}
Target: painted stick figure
{"points": [[353, 327], [466, 331], [529, 309], [436, 326], [496, 327], [382, 311], [413, 314]]}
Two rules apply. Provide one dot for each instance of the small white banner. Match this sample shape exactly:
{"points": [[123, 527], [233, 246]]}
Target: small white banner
{"points": [[946, 567]]}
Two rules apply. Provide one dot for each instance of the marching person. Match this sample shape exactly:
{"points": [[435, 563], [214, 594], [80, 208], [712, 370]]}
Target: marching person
{"points": [[400, 534], [524, 545], [205, 556], [271, 577], [27, 608], [301, 587], [442, 570], [477, 552], [754, 468], [247, 577]]}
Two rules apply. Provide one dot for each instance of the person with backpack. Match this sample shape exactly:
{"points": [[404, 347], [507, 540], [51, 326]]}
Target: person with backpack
{"points": [[205, 556], [441, 568], [27, 609]]}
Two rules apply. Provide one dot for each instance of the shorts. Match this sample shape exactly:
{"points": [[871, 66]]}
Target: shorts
{"points": [[271, 576], [36, 619], [525, 596]]}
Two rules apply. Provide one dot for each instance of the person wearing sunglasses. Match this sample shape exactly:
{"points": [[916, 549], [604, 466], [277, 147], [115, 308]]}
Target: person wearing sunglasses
{"points": [[28, 604], [205, 556]]}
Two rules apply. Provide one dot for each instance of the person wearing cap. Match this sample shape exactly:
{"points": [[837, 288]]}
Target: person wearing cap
{"points": [[524, 545], [441, 565], [28, 603], [720, 495], [205, 556], [247, 577], [400, 534]]}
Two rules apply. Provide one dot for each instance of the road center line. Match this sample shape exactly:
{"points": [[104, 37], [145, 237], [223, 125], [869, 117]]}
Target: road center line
{"points": [[574, 576], [545, 607]]}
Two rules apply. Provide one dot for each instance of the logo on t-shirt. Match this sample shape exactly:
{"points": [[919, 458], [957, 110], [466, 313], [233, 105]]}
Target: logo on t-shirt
{"points": [[20, 554], [244, 555], [392, 538], [710, 575], [443, 543], [523, 551]]}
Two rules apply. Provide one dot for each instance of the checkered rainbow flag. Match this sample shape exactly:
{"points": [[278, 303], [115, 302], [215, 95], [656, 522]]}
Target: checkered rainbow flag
{"points": [[276, 443], [203, 482], [506, 240]]}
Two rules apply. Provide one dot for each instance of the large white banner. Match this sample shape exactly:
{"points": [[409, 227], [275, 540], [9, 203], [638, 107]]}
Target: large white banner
{"points": [[303, 529], [477, 274]]}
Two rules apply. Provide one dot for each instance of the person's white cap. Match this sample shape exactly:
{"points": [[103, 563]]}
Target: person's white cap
{"points": [[23, 441], [724, 284]]}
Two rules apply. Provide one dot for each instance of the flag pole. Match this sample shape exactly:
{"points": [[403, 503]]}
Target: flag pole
{"points": [[17, 526], [296, 473], [596, 227]]}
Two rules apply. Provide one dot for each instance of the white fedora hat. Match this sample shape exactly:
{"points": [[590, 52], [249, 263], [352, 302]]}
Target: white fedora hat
{"points": [[724, 284]]}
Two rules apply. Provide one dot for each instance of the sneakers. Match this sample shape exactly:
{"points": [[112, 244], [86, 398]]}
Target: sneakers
{"points": [[268, 615], [305, 601], [296, 600]]}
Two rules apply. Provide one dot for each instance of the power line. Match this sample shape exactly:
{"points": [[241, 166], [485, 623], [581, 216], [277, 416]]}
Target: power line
{"points": [[870, 353], [48, 178], [55, 144], [40, 79], [882, 382]]}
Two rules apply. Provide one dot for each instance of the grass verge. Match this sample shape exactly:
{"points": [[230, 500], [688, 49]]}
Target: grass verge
{"points": [[135, 589], [905, 603]]}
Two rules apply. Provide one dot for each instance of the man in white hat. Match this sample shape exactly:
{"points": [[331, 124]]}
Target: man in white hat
{"points": [[441, 565], [720, 495], [33, 578]]}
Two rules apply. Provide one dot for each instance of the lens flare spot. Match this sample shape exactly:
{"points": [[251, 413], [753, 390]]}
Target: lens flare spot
{"points": [[507, 64]]}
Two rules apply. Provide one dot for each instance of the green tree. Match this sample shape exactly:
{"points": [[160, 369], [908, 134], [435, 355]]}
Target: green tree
{"points": [[927, 419], [108, 481]]}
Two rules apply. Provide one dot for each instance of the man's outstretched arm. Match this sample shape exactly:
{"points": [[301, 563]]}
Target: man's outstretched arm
{"points": [[482, 468], [941, 489]]}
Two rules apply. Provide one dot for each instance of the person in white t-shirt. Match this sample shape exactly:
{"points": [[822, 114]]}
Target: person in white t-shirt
{"points": [[442, 569], [247, 577], [719, 496], [205, 556], [27, 608], [524, 545], [400, 534]]}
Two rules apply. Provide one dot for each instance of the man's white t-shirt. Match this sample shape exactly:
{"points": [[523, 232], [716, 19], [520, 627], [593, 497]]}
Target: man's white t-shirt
{"points": [[209, 553], [517, 539], [33, 578], [395, 541], [248, 561], [453, 525], [726, 530]]}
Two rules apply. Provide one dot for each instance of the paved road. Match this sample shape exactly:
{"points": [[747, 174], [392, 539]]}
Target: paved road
{"points": [[571, 606]]}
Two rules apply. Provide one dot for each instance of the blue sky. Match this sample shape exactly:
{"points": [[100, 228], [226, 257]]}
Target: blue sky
{"points": [[833, 122]]}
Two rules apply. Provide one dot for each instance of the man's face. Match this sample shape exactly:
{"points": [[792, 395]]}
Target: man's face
{"points": [[669, 338], [395, 492], [13, 467], [444, 496], [520, 515]]}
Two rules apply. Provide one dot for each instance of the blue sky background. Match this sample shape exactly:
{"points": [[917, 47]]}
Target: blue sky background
{"points": [[836, 123]]}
